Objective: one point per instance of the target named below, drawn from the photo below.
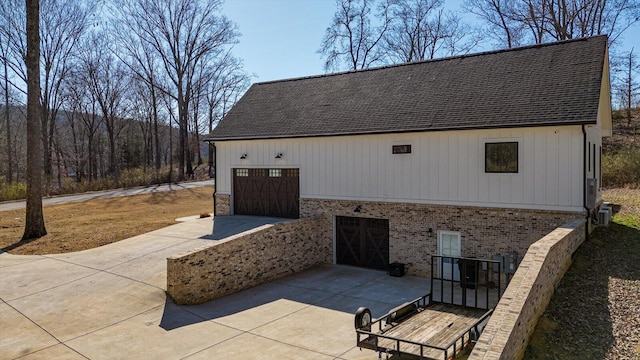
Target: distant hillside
(625, 133)
(621, 152)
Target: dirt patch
(89, 224)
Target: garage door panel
(362, 242)
(267, 192)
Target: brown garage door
(266, 192)
(362, 242)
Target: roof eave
(381, 132)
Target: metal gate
(266, 192)
(362, 242)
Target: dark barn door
(266, 192)
(362, 242)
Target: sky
(280, 38)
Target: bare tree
(62, 25)
(553, 20)
(34, 224)
(183, 33)
(352, 40)
(628, 85)
(107, 82)
(498, 16)
(12, 28)
(229, 82)
(4, 52)
(422, 29)
(141, 59)
(12, 54)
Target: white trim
(456, 274)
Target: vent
(401, 149)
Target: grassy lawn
(89, 224)
(595, 312)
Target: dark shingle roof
(550, 84)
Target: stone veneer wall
(246, 260)
(484, 231)
(222, 204)
(508, 331)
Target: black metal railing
(467, 282)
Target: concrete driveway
(110, 303)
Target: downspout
(215, 177)
(584, 181)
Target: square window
(242, 172)
(501, 157)
(275, 172)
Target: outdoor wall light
(357, 209)
(243, 156)
(430, 232)
(279, 155)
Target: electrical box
(592, 186)
(510, 262)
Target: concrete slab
(120, 252)
(392, 290)
(226, 226)
(88, 305)
(194, 229)
(143, 337)
(261, 348)
(151, 269)
(57, 352)
(313, 328)
(358, 354)
(257, 316)
(10, 260)
(333, 279)
(257, 306)
(20, 280)
(20, 336)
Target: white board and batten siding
(444, 168)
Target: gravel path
(595, 312)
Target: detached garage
(482, 154)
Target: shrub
(13, 191)
(621, 168)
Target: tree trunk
(156, 138)
(629, 89)
(34, 224)
(182, 128)
(6, 114)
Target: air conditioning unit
(604, 217)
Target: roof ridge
(464, 56)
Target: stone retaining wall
(246, 260)
(508, 332)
